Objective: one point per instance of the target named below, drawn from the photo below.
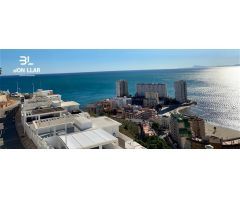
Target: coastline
(221, 132)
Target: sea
(216, 90)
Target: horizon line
(79, 72)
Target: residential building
(41, 92)
(151, 99)
(147, 130)
(137, 100)
(55, 126)
(70, 106)
(179, 128)
(122, 101)
(95, 108)
(162, 120)
(73, 132)
(145, 113)
(180, 91)
(121, 88)
(159, 88)
(197, 126)
(128, 143)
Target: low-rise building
(73, 131)
(70, 106)
(162, 120)
(145, 113)
(147, 130)
(122, 101)
(51, 126)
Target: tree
(153, 142)
(155, 126)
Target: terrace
(75, 131)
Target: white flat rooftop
(88, 139)
(69, 103)
(52, 122)
(104, 122)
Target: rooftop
(103, 122)
(69, 103)
(88, 139)
(46, 110)
(51, 122)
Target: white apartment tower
(121, 88)
(180, 91)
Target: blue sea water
(216, 90)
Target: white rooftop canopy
(88, 139)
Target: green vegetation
(132, 130)
(157, 128)
(153, 142)
(128, 128)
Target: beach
(221, 132)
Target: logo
(27, 67)
(25, 60)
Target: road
(10, 137)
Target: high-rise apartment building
(180, 91)
(159, 88)
(121, 88)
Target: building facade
(179, 128)
(151, 99)
(180, 91)
(122, 101)
(197, 126)
(121, 88)
(159, 88)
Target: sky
(68, 61)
